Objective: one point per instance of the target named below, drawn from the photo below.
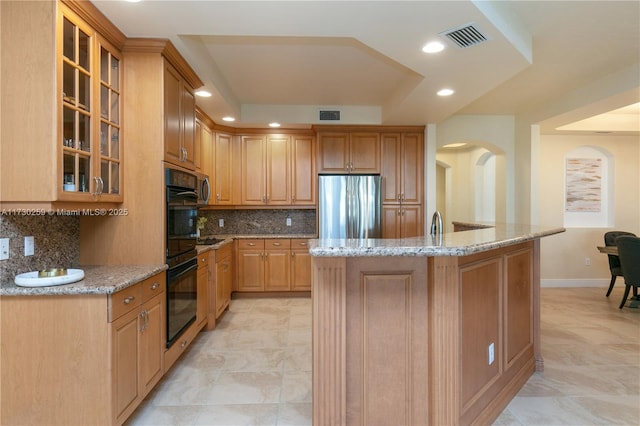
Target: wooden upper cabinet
(303, 170)
(357, 152)
(67, 120)
(402, 167)
(253, 170)
(333, 152)
(278, 170)
(179, 119)
(266, 175)
(222, 174)
(172, 122)
(364, 153)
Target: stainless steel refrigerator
(350, 206)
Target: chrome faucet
(436, 228)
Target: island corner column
(329, 340)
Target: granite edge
(120, 277)
(415, 250)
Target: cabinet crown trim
(169, 51)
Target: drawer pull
(155, 286)
(277, 244)
(303, 244)
(251, 244)
(129, 300)
(183, 344)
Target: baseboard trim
(573, 282)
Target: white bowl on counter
(31, 279)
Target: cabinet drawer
(153, 286)
(124, 301)
(251, 244)
(203, 260)
(277, 244)
(299, 244)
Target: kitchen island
(440, 330)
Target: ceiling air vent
(324, 115)
(465, 36)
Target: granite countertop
(97, 280)
(272, 236)
(448, 244)
(228, 239)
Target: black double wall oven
(182, 217)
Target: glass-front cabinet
(90, 136)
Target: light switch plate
(29, 246)
(4, 248)
(288, 221)
(221, 223)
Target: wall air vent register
(329, 115)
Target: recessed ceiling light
(227, 118)
(433, 47)
(455, 145)
(274, 124)
(203, 93)
(445, 92)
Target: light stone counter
(448, 244)
(97, 280)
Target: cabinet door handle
(101, 185)
(129, 300)
(183, 344)
(293, 255)
(155, 286)
(218, 197)
(96, 179)
(398, 212)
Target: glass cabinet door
(76, 108)
(91, 113)
(110, 168)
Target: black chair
(614, 262)
(629, 254)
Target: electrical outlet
(4, 248)
(29, 246)
(221, 223)
(491, 354)
(288, 221)
(587, 261)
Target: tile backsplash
(56, 241)
(57, 238)
(259, 222)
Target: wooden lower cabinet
(300, 265)
(204, 276)
(85, 359)
(276, 264)
(137, 339)
(223, 278)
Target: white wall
(563, 255)
(493, 133)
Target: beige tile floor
(255, 368)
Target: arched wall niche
(588, 188)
